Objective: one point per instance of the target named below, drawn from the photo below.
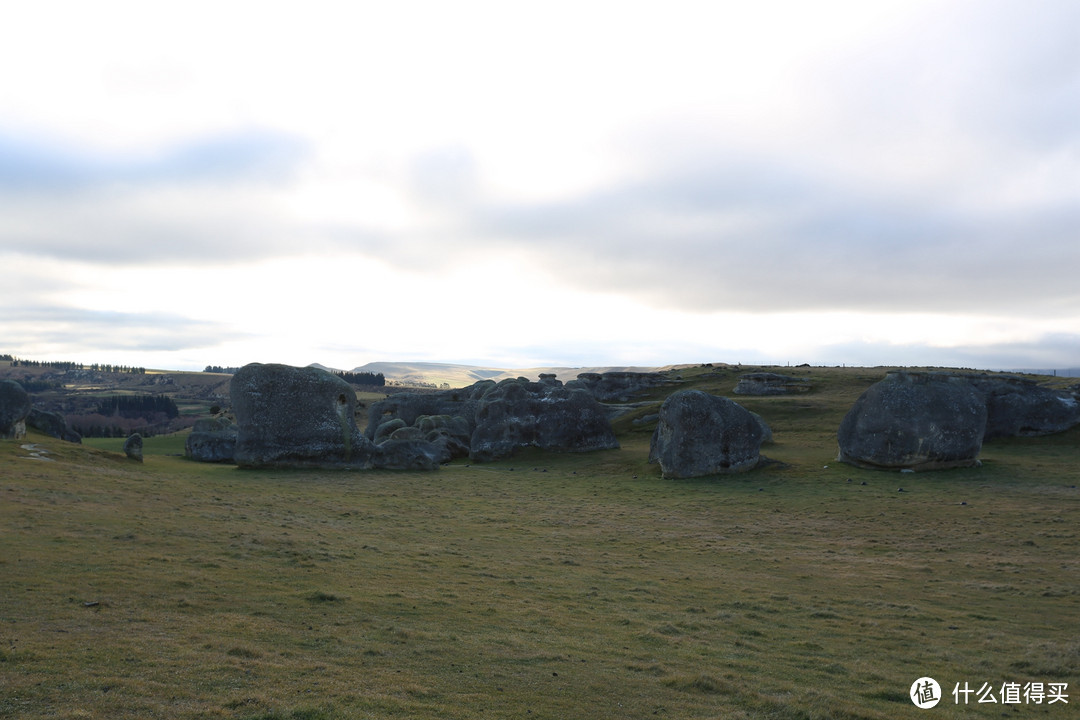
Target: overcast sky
(528, 184)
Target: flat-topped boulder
(915, 421)
(767, 383)
(698, 434)
(296, 417)
(15, 406)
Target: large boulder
(212, 440)
(915, 421)
(52, 423)
(698, 434)
(14, 408)
(518, 413)
(296, 417)
(767, 383)
(1019, 407)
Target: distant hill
(437, 374)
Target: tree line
(362, 378)
(68, 366)
(221, 370)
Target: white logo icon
(925, 693)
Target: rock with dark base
(915, 421)
(698, 435)
(14, 409)
(296, 417)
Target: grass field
(546, 586)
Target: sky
(541, 184)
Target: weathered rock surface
(212, 440)
(409, 407)
(617, 386)
(52, 423)
(1019, 407)
(14, 408)
(133, 447)
(699, 434)
(766, 383)
(518, 413)
(296, 417)
(917, 421)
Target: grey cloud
(747, 236)
(104, 330)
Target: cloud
(33, 165)
(38, 329)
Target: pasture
(544, 586)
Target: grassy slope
(545, 586)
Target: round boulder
(133, 447)
(914, 421)
(698, 434)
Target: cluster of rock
(616, 385)
(488, 420)
(698, 434)
(766, 383)
(305, 417)
(933, 420)
(17, 413)
(212, 440)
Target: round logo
(925, 693)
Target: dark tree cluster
(221, 370)
(141, 406)
(97, 367)
(362, 378)
(54, 364)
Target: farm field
(543, 586)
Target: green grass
(546, 586)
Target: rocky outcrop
(766, 383)
(486, 421)
(1019, 407)
(915, 421)
(52, 423)
(518, 413)
(14, 409)
(212, 440)
(698, 434)
(617, 386)
(133, 447)
(296, 417)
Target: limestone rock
(916, 421)
(766, 383)
(133, 447)
(212, 440)
(52, 423)
(617, 385)
(1019, 407)
(698, 434)
(14, 409)
(518, 413)
(296, 417)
